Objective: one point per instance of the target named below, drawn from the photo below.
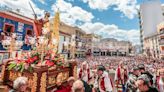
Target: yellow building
(160, 29)
(80, 50)
(92, 43)
(65, 35)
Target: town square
(81, 46)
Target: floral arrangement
(35, 60)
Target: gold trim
(35, 78)
(3, 73)
(14, 74)
(59, 79)
(43, 82)
(51, 80)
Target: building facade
(160, 29)
(65, 36)
(12, 22)
(113, 47)
(80, 48)
(92, 44)
(150, 15)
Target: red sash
(102, 84)
(80, 74)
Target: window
(29, 32)
(8, 28)
(161, 31)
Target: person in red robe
(39, 24)
(84, 72)
(120, 77)
(67, 88)
(103, 82)
(160, 81)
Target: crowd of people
(131, 74)
(112, 74)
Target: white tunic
(161, 85)
(107, 83)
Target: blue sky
(109, 18)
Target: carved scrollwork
(65, 76)
(34, 85)
(43, 82)
(3, 72)
(51, 80)
(59, 79)
(13, 75)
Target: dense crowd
(128, 73)
(129, 62)
(112, 74)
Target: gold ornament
(51, 80)
(3, 72)
(43, 82)
(59, 79)
(14, 74)
(35, 78)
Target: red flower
(34, 58)
(49, 63)
(18, 61)
(30, 60)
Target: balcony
(162, 52)
(162, 31)
(161, 42)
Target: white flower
(13, 35)
(41, 40)
(54, 41)
(32, 40)
(44, 31)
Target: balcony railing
(162, 52)
(161, 42)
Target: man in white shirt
(102, 81)
(160, 81)
(84, 72)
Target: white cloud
(112, 31)
(71, 0)
(71, 14)
(42, 1)
(127, 7)
(99, 4)
(24, 7)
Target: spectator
(78, 86)
(20, 85)
(143, 84)
(160, 81)
(102, 81)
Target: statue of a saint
(42, 23)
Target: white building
(113, 47)
(150, 15)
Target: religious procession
(81, 46)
